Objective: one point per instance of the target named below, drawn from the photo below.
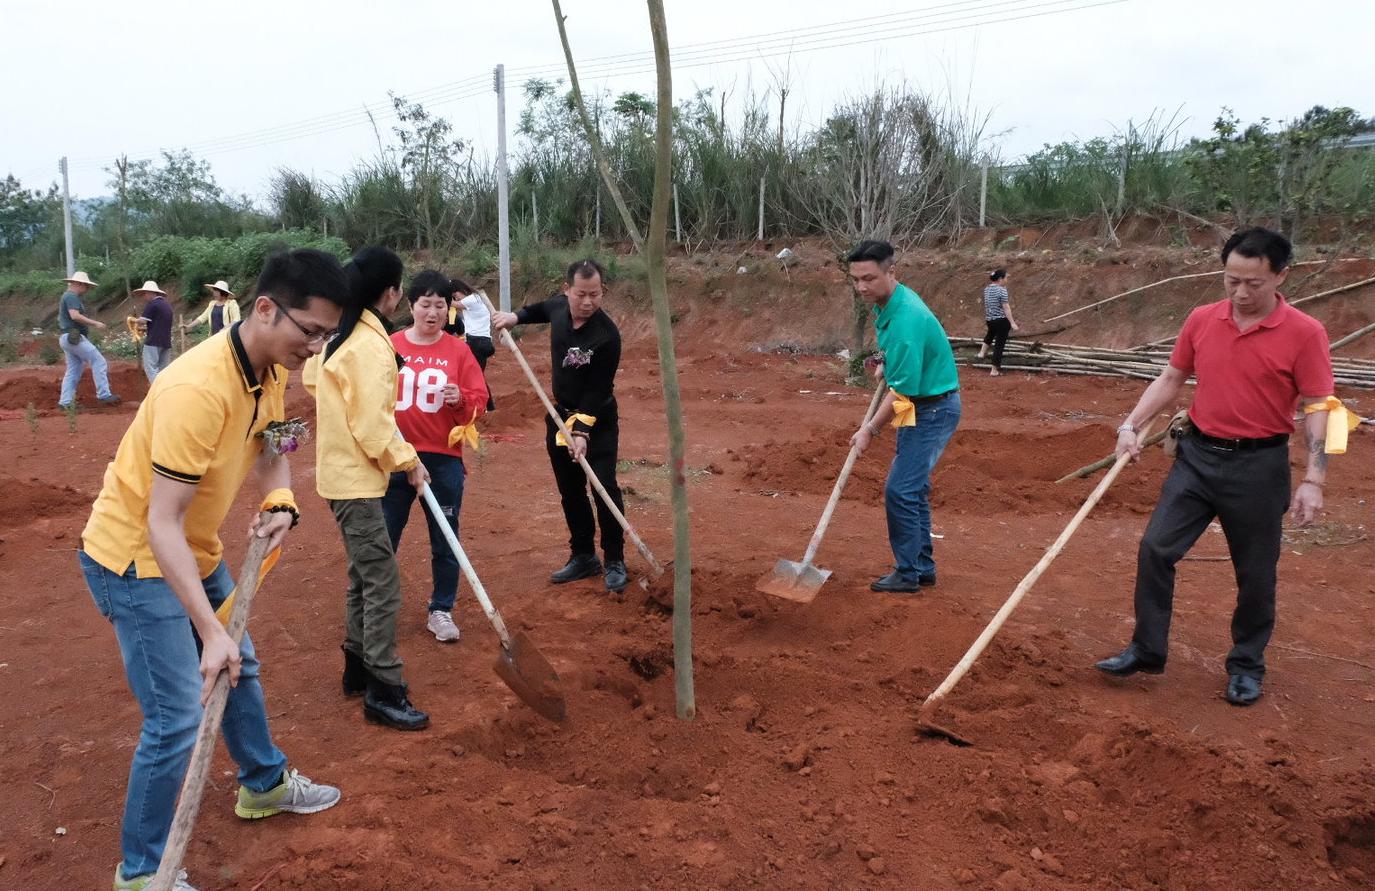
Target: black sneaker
(388, 705)
(897, 583)
(616, 577)
(579, 566)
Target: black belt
(927, 400)
(1240, 445)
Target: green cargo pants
(373, 603)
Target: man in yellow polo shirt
(153, 559)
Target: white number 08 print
(424, 390)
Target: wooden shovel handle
(1028, 580)
(568, 437)
(849, 465)
(188, 805)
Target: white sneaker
(141, 882)
(441, 625)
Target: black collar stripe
(250, 378)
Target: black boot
(579, 566)
(388, 704)
(355, 673)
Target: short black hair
(1257, 242)
(427, 283)
(372, 271)
(880, 252)
(459, 286)
(584, 269)
(997, 275)
(291, 278)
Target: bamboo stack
(1144, 363)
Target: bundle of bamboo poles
(1142, 362)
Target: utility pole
(983, 194)
(503, 195)
(67, 216)
(677, 217)
(762, 181)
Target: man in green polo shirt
(923, 403)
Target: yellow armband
(589, 420)
(904, 412)
(1340, 422)
(279, 498)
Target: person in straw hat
(221, 312)
(73, 323)
(157, 325)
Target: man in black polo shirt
(586, 349)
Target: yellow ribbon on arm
(268, 562)
(1340, 422)
(279, 498)
(568, 422)
(904, 412)
(465, 435)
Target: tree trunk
(593, 139)
(668, 368)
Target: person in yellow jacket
(357, 449)
(221, 312)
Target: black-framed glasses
(311, 336)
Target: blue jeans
(155, 359)
(162, 664)
(79, 355)
(446, 481)
(906, 497)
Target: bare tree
(892, 165)
(668, 369)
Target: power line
(960, 15)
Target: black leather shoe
(355, 674)
(579, 566)
(927, 580)
(896, 583)
(387, 704)
(1243, 689)
(1128, 663)
(616, 577)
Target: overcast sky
(230, 80)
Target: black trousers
(998, 331)
(1248, 492)
(602, 447)
(483, 349)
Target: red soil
(802, 768)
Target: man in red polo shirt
(1255, 358)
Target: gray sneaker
(441, 625)
(138, 883)
(295, 794)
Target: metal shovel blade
(794, 581)
(530, 676)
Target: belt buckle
(1230, 445)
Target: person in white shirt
(477, 326)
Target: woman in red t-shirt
(440, 390)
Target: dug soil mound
(979, 472)
(42, 387)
